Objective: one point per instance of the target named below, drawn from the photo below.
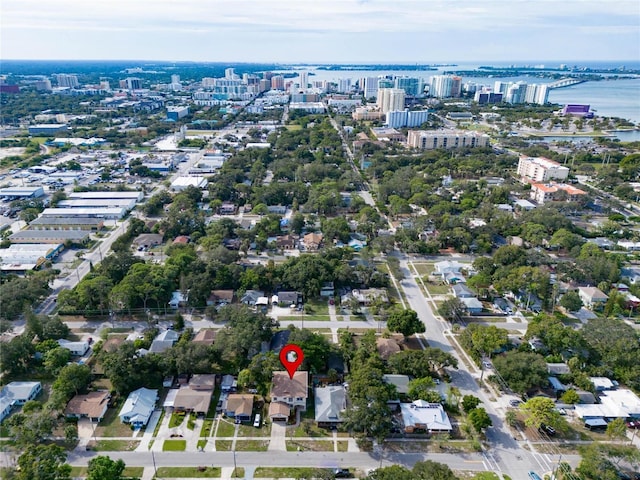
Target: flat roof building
(137, 195)
(430, 140)
(49, 236)
(107, 213)
(47, 129)
(66, 223)
(126, 203)
(181, 183)
(21, 257)
(22, 192)
(540, 169)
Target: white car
(256, 421)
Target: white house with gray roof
(138, 407)
(15, 394)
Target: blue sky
(321, 30)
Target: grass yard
(189, 472)
(135, 472)
(317, 307)
(114, 445)
(111, 426)
(177, 418)
(289, 472)
(424, 268)
(252, 445)
(159, 424)
(174, 446)
(202, 444)
(206, 428)
(310, 445)
(223, 445)
(438, 288)
(225, 429)
(308, 428)
(343, 445)
(293, 127)
(250, 431)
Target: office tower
(277, 82)
(303, 80)
(43, 85)
(65, 80)
(134, 83)
(412, 86)
(390, 99)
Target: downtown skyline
(321, 32)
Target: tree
(601, 461)
(420, 388)
(522, 371)
(481, 340)
(480, 419)
(452, 309)
(430, 470)
(541, 410)
(104, 468)
(405, 322)
(570, 397)
(617, 429)
(469, 402)
(71, 380)
(571, 301)
(56, 359)
(43, 462)
(392, 472)
(31, 429)
(71, 433)
(418, 363)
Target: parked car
(256, 422)
(549, 430)
(534, 476)
(633, 424)
(342, 473)
(515, 403)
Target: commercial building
(176, 113)
(106, 213)
(66, 223)
(406, 118)
(47, 129)
(485, 97)
(50, 236)
(127, 204)
(366, 114)
(181, 183)
(547, 192)
(21, 257)
(311, 107)
(390, 99)
(430, 140)
(17, 193)
(577, 110)
(137, 195)
(540, 169)
(133, 83)
(65, 80)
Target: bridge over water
(565, 82)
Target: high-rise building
(64, 80)
(264, 85)
(344, 85)
(406, 118)
(430, 140)
(277, 82)
(230, 73)
(134, 83)
(412, 86)
(445, 86)
(267, 75)
(385, 82)
(43, 85)
(521, 92)
(541, 169)
(303, 80)
(390, 99)
(104, 85)
(175, 78)
(369, 86)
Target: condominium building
(64, 80)
(430, 140)
(445, 86)
(390, 99)
(541, 192)
(540, 169)
(406, 118)
(133, 83)
(344, 85)
(303, 80)
(277, 82)
(522, 92)
(369, 86)
(412, 86)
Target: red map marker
(291, 357)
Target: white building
(181, 183)
(445, 86)
(390, 99)
(138, 407)
(311, 107)
(406, 118)
(369, 85)
(540, 169)
(422, 415)
(430, 140)
(76, 348)
(17, 393)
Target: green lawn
(225, 429)
(308, 445)
(438, 289)
(252, 445)
(288, 472)
(135, 472)
(223, 445)
(308, 428)
(202, 444)
(206, 428)
(111, 426)
(176, 419)
(174, 446)
(115, 445)
(424, 268)
(251, 431)
(343, 446)
(317, 307)
(486, 476)
(189, 472)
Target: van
(256, 421)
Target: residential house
(603, 383)
(76, 348)
(221, 297)
(453, 278)
(178, 299)
(181, 239)
(250, 297)
(286, 242)
(632, 275)
(328, 289)
(422, 415)
(289, 392)
(17, 393)
(401, 382)
(93, 406)
(330, 404)
(592, 296)
(138, 407)
(148, 240)
(386, 347)
(366, 296)
(460, 290)
(196, 395)
(557, 385)
(205, 336)
(229, 384)
(164, 341)
(279, 340)
(312, 241)
(239, 406)
(450, 266)
(473, 305)
(284, 299)
(558, 368)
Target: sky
(321, 31)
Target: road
(506, 454)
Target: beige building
(542, 193)
(431, 140)
(366, 114)
(390, 99)
(540, 169)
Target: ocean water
(611, 98)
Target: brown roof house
(205, 336)
(221, 297)
(312, 241)
(239, 406)
(286, 242)
(93, 406)
(196, 395)
(287, 394)
(387, 347)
